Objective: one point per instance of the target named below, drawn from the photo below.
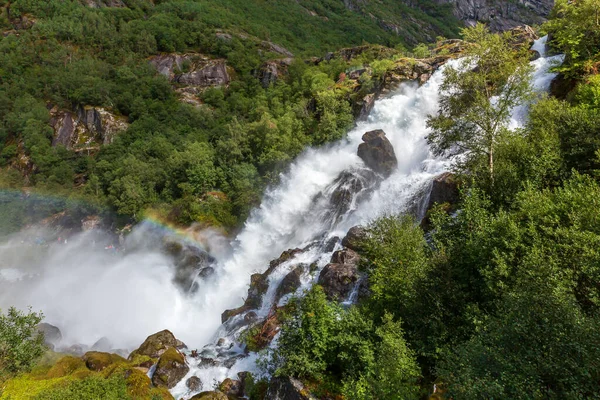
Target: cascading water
(126, 297)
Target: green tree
(21, 344)
(478, 95)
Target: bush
(21, 344)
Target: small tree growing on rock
(478, 96)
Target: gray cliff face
(85, 128)
(501, 15)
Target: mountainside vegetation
(86, 66)
(494, 297)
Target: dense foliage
(208, 163)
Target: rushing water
(90, 293)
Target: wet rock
(290, 283)
(52, 335)
(287, 388)
(103, 344)
(232, 388)
(206, 362)
(97, 361)
(350, 187)
(345, 256)
(191, 262)
(171, 368)
(355, 238)
(206, 272)
(259, 284)
(330, 244)
(444, 189)
(338, 280)
(364, 106)
(250, 317)
(194, 384)
(534, 55)
(523, 35)
(210, 396)
(157, 344)
(378, 153)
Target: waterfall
(127, 297)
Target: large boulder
(338, 280)
(194, 383)
(232, 388)
(157, 344)
(355, 238)
(378, 153)
(97, 361)
(287, 388)
(345, 256)
(171, 368)
(289, 283)
(52, 335)
(444, 189)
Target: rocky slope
(501, 15)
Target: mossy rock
(210, 396)
(97, 361)
(141, 361)
(232, 388)
(139, 385)
(171, 368)
(65, 366)
(155, 345)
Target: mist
(90, 290)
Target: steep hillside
(189, 107)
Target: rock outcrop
(287, 388)
(87, 128)
(52, 335)
(338, 280)
(191, 73)
(355, 238)
(157, 344)
(444, 189)
(191, 263)
(194, 383)
(97, 361)
(232, 388)
(192, 69)
(501, 15)
(378, 153)
(272, 71)
(289, 283)
(171, 368)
